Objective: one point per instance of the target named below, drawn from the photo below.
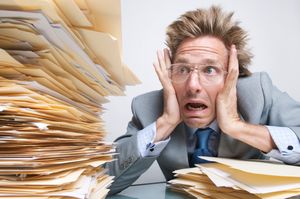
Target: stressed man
(210, 104)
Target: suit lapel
(174, 156)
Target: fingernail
(233, 47)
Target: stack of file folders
(59, 59)
(238, 179)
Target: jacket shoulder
(258, 86)
(254, 96)
(148, 106)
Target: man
(207, 89)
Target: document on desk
(239, 178)
(59, 60)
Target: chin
(196, 122)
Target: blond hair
(211, 22)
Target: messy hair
(211, 22)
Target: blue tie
(202, 149)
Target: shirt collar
(213, 125)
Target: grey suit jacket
(259, 102)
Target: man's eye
(210, 70)
(183, 70)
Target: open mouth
(195, 106)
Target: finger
(233, 68)
(156, 67)
(158, 71)
(156, 64)
(161, 60)
(167, 57)
(233, 71)
(161, 72)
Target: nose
(193, 83)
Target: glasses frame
(194, 66)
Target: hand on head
(171, 114)
(227, 115)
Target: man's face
(197, 100)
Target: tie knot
(206, 130)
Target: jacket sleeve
(282, 111)
(129, 163)
(280, 108)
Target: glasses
(208, 74)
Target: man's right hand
(170, 118)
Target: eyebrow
(204, 61)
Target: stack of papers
(228, 178)
(59, 59)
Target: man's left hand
(226, 104)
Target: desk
(148, 191)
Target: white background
(273, 27)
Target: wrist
(169, 121)
(234, 129)
(254, 135)
(164, 128)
